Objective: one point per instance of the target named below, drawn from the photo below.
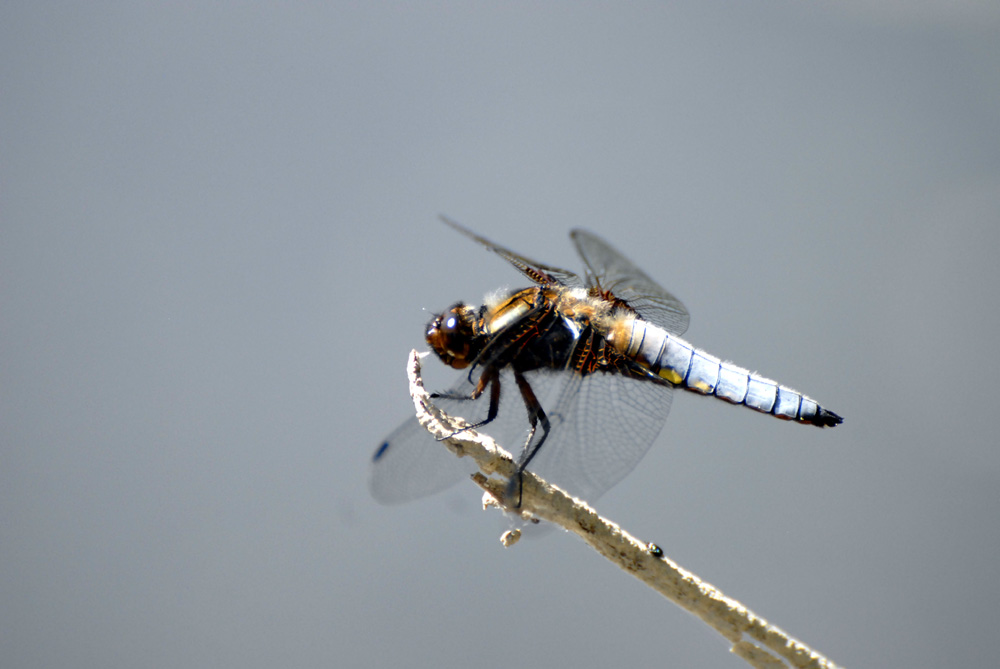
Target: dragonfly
(578, 371)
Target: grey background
(219, 237)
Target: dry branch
(751, 637)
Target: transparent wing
(602, 426)
(616, 273)
(411, 464)
(538, 272)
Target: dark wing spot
(380, 451)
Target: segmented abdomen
(673, 359)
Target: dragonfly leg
(536, 416)
(491, 377)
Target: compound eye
(450, 335)
(454, 335)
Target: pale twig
(751, 637)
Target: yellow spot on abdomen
(670, 375)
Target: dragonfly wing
(601, 427)
(613, 271)
(411, 464)
(538, 272)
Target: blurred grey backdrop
(219, 239)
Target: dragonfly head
(453, 337)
